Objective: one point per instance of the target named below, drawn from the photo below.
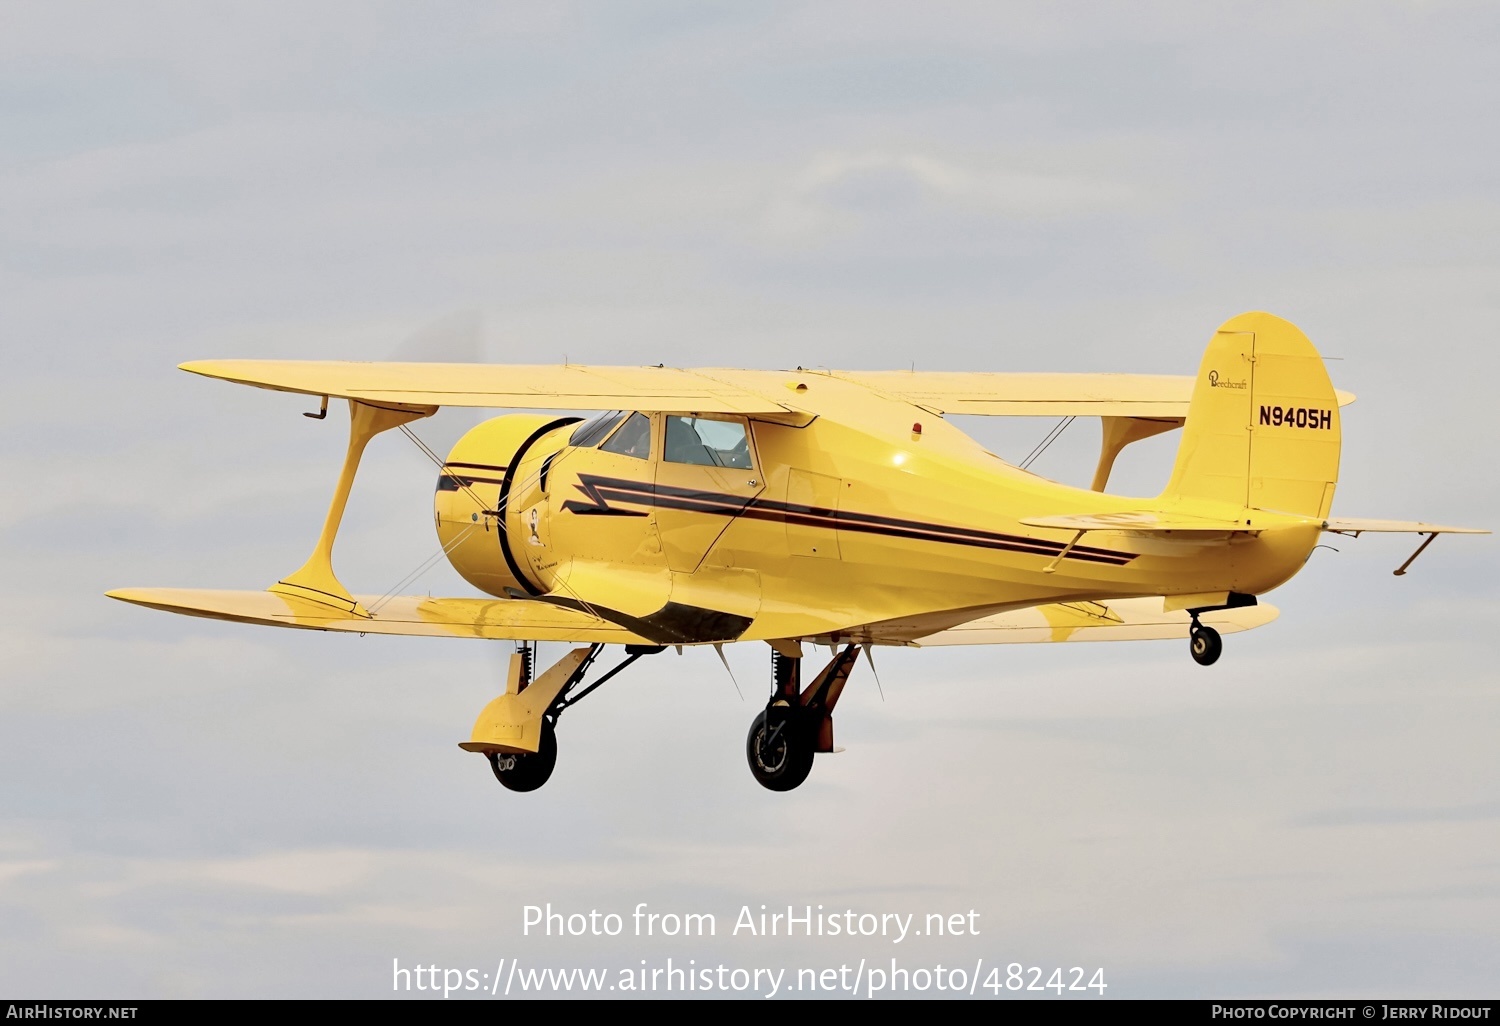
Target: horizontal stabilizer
(1139, 521)
(1356, 525)
(417, 615)
(1137, 619)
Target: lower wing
(1135, 619)
(496, 619)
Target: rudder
(1262, 430)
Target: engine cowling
(484, 468)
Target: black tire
(529, 771)
(779, 748)
(1205, 644)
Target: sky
(199, 809)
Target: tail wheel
(1205, 644)
(527, 771)
(779, 748)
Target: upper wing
(1039, 395)
(503, 619)
(674, 389)
(498, 385)
(1138, 619)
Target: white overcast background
(190, 808)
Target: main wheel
(1205, 645)
(779, 748)
(527, 771)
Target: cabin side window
(707, 443)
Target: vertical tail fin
(1262, 430)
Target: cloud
(838, 191)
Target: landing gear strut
(517, 732)
(1203, 641)
(796, 723)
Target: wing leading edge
(495, 385)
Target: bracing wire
(422, 568)
(435, 458)
(562, 582)
(499, 513)
(499, 516)
(1052, 436)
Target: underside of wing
(417, 385)
(418, 615)
(1137, 619)
(1163, 396)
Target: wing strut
(1120, 432)
(315, 581)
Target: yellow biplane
(702, 507)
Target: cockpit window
(633, 438)
(595, 428)
(708, 443)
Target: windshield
(634, 439)
(595, 428)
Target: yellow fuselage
(868, 512)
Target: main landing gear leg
(796, 723)
(517, 732)
(1203, 641)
